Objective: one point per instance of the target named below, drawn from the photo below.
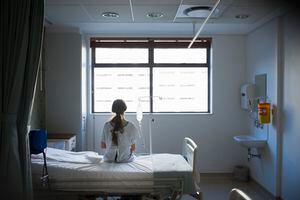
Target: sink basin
(250, 141)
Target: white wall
(63, 81)
(291, 109)
(262, 59)
(212, 132)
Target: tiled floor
(219, 187)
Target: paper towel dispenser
(247, 96)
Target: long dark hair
(118, 107)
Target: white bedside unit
(65, 141)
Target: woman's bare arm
(132, 148)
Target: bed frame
(171, 188)
(190, 153)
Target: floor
(218, 188)
(213, 187)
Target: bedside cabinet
(64, 141)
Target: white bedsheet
(69, 156)
(141, 175)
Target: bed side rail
(189, 151)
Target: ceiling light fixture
(242, 16)
(110, 14)
(155, 15)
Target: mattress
(147, 173)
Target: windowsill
(157, 114)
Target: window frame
(150, 44)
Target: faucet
(257, 124)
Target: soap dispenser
(247, 96)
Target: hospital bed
(157, 175)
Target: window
(134, 69)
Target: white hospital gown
(120, 153)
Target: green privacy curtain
(21, 34)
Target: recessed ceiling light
(110, 14)
(155, 15)
(242, 16)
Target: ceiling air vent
(198, 11)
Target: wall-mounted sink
(250, 141)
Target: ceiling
(133, 20)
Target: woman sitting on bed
(119, 136)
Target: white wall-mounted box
(247, 96)
(64, 141)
